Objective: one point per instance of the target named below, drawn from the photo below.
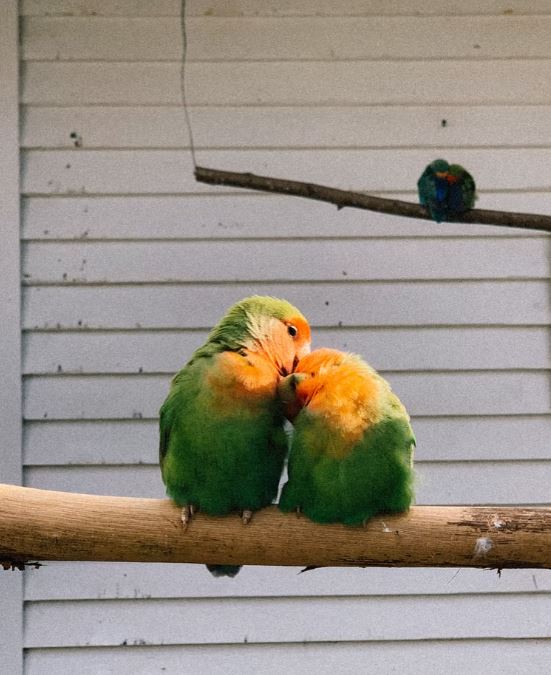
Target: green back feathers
(377, 476)
(467, 184)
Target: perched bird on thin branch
(447, 190)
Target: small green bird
(447, 190)
(222, 438)
(352, 450)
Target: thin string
(183, 80)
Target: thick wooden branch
(46, 525)
(342, 198)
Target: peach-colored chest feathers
(248, 378)
(345, 392)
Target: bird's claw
(246, 516)
(188, 511)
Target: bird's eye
(292, 330)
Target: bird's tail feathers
(223, 570)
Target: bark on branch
(342, 198)
(46, 525)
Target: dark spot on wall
(76, 138)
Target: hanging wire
(183, 80)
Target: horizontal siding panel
(100, 397)
(391, 349)
(337, 304)
(249, 215)
(491, 438)
(103, 442)
(285, 127)
(441, 439)
(508, 482)
(170, 171)
(280, 83)
(271, 620)
(299, 38)
(503, 657)
(356, 260)
(130, 397)
(282, 8)
(96, 581)
(123, 481)
(426, 657)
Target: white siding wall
(127, 262)
(11, 583)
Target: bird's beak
(290, 364)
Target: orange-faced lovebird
(352, 450)
(222, 437)
(447, 190)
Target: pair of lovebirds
(223, 441)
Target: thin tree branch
(342, 198)
(46, 525)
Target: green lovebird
(222, 437)
(351, 455)
(447, 190)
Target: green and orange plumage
(352, 448)
(222, 437)
(447, 190)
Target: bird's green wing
(469, 191)
(165, 425)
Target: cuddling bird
(351, 455)
(222, 438)
(447, 190)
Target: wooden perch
(342, 198)
(46, 525)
